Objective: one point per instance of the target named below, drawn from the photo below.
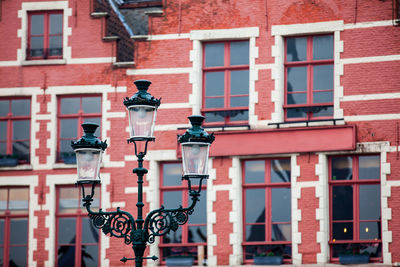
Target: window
(15, 116)
(355, 206)
(267, 208)
(45, 35)
(191, 238)
(72, 112)
(77, 239)
(226, 82)
(309, 69)
(14, 203)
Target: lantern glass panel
(195, 158)
(141, 121)
(88, 161)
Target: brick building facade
(302, 97)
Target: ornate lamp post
(142, 108)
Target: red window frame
(267, 185)
(80, 116)
(310, 107)
(356, 182)
(46, 35)
(79, 214)
(186, 201)
(227, 68)
(7, 216)
(9, 119)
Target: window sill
(22, 167)
(44, 62)
(309, 123)
(217, 128)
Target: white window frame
(280, 32)
(196, 56)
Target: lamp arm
(161, 221)
(117, 223)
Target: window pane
(3, 131)
(296, 49)
(197, 234)
(295, 113)
(215, 83)
(370, 230)
(66, 256)
(323, 112)
(255, 213)
(68, 200)
(21, 150)
(239, 53)
(21, 130)
(297, 79)
(37, 24)
(66, 231)
(89, 233)
(173, 237)
(199, 215)
(171, 199)
(373, 249)
(3, 199)
(322, 97)
(323, 47)
(280, 171)
(70, 105)
(98, 122)
(255, 232)
(19, 199)
(369, 167)
(21, 107)
(297, 98)
(239, 82)
(37, 47)
(342, 202)
(90, 256)
(172, 174)
(240, 115)
(342, 231)
(66, 149)
(214, 54)
(214, 117)
(1, 231)
(3, 148)
(91, 104)
(342, 168)
(323, 77)
(4, 108)
(370, 202)
(18, 256)
(56, 23)
(281, 232)
(55, 45)
(217, 102)
(255, 250)
(254, 171)
(69, 128)
(280, 205)
(18, 231)
(240, 101)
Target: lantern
(89, 150)
(142, 110)
(195, 145)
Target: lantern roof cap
(142, 97)
(196, 133)
(89, 140)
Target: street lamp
(195, 143)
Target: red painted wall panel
(283, 141)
